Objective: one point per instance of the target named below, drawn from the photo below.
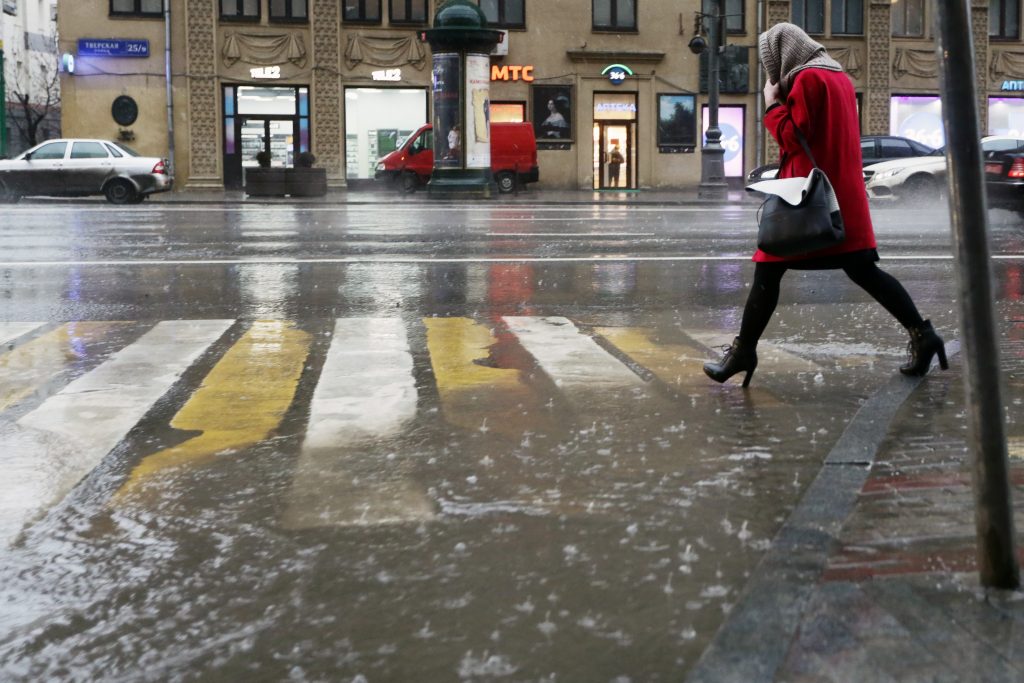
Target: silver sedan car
(76, 168)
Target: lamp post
(712, 154)
(3, 103)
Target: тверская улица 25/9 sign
(112, 47)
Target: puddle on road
(606, 536)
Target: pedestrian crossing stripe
(366, 392)
(239, 403)
(27, 368)
(11, 331)
(49, 450)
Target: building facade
(348, 79)
(31, 92)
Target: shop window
(365, 11)
(136, 8)
(809, 15)
(242, 10)
(1004, 19)
(735, 17)
(908, 18)
(289, 10)
(504, 13)
(508, 112)
(847, 17)
(408, 11)
(614, 15)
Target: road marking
(28, 367)
(239, 403)
(391, 260)
(11, 331)
(572, 359)
(366, 395)
(48, 451)
(476, 392)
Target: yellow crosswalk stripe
(474, 394)
(240, 402)
(681, 366)
(25, 369)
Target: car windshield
(127, 150)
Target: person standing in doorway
(808, 90)
(615, 160)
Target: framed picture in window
(677, 122)
(552, 113)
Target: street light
(712, 158)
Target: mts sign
(508, 72)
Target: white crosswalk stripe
(572, 360)
(52, 448)
(366, 393)
(11, 331)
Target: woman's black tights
(764, 296)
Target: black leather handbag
(799, 215)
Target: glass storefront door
(376, 120)
(615, 164)
(263, 119)
(276, 136)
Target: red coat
(823, 104)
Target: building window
(735, 17)
(408, 11)
(1004, 19)
(847, 17)
(240, 9)
(809, 15)
(367, 11)
(289, 10)
(11, 7)
(504, 13)
(136, 8)
(508, 112)
(908, 18)
(614, 15)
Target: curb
(743, 650)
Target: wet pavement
(396, 442)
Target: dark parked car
(873, 148)
(77, 168)
(1004, 182)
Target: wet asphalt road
(411, 442)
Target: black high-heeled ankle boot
(739, 357)
(924, 344)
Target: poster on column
(447, 126)
(478, 111)
(730, 122)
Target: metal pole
(993, 514)
(3, 103)
(712, 171)
(170, 89)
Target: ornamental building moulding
(386, 51)
(1006, 64)
(917, 63)
(263, 49)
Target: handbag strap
(803, 143)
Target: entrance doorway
(276, 136)
(615, 141)
(613, 146)
(263, 119)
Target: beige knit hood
(786, 50)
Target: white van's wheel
(506, 182)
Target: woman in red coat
(808, 90)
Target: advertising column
(478, 111)
(447, 79)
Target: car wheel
(120, 191)
(506, 182)
(922, 189)
(7, 195)
(410, 182)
